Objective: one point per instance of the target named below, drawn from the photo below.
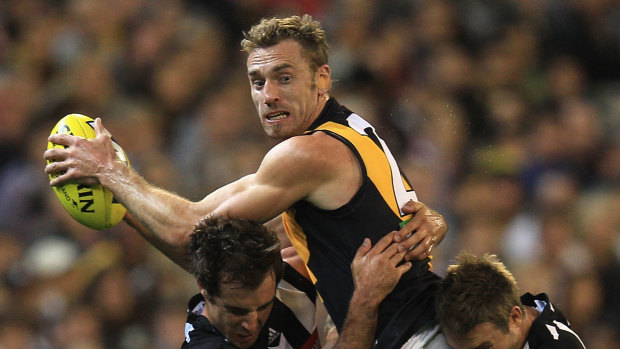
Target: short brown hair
(477, 289)
(305, 30)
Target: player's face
(284, 88)
(488, 336)
(240, 314)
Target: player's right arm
(293, 170)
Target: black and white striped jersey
(550, 330)
(291, 324)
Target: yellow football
(92, 205)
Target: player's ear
(206, 296)
(516, 311)
(203, 292)
(516, 315)
(324, 79)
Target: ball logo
(68, 197)
(86, 198)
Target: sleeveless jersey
(327, 240)
(290, 325)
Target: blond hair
(302, 29)
(477, 289)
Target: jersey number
(402, 194)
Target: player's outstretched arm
(292, 170)
(376, 272)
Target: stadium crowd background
(505, 115)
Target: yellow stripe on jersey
(297, 237)
(376, 162)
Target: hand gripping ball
(92, 205)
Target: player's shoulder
(550, 329)
(317, 150)
(554, 335)
(313, 142)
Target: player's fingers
(67, 174)
(58, 179)
(412, 206)
(409, 228)
(403, 268)
(422, 250)
(405, 227)
(54, 167)
(61, 139)
(383, 243)
(413, 240)
(396, 256)
(390, 250)
(363, 249)
(54, 154)
(412, 225)
(99, 129)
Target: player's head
(288, 73)
(478, 305)
(237, 264)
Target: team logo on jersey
(274, 338)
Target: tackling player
(478, 306)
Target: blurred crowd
(504, 114)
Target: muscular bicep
(285, 176)
(315, 168)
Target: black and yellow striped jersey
(327, 240)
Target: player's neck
(530, 314)
(320, 106)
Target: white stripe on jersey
(299, 303)
(563, 327)
(402, 195)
